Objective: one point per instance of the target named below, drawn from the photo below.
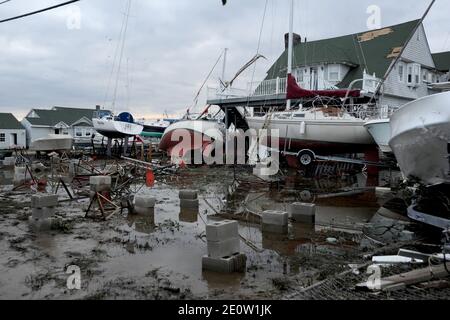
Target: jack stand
(25, 184)
(102, 201)
(61, 182)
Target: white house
(75, 122)
(342, 61)
(12, 133)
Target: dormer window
(410, 75)
(333, 72)
(401, 72)
(414, 74)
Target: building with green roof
(12, 133)
(442, 61)
(76, 122)
(399, 53)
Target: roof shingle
(370, 51)
(8, 121)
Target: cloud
(170, 48)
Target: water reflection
(189, 215)
(142, 223)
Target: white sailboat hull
(380, 130)
(421, 139)
(326, 136)
(116, 129)
(52, 142)
(200, 133)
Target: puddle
(159, 255)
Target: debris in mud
(62, 226)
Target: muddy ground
(160, 256)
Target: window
(401, 73)
(299, 115)
(78, 132)
(2, 137)
(333, 73)
(410, 74)
(300, 77)
(417, 74)
(424, 75)
(88, 133)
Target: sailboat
(106, 122)
(116, 127)
(421, 139)
(322, 123)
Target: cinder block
(188, 194)
(303, 212)
(9, 161)
(273, 217)
(235, 263)
(40, 224)
(222, 230)
(100, 187)
(189, 215)
(273, 228)
(43, 213)
(224, 248)
(188, 203)
(100, 180)
(144, 202)
(44, 201)
(144, 211)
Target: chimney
(97, 107)
(297, 40)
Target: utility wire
(5, 1)
(38, 11)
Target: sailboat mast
(290, 46)
(224, 68)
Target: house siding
(34, 133)
(9, 141)
(418, 49)
(397, 90)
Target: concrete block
(222, 230)
(21, 175)
(303, 212)
(235, 263)
(189, 215)
(100, 187)
(44, 201)
(273, 228)
(188, 203)
(144, 201)
(9, 161)
(224, 248)
(40, 224)
(273, 217)
(43, 213)
(144, 211)
(188, 194)
(100, 180)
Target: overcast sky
(171, 46)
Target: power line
(39, 11)
(5, 1)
